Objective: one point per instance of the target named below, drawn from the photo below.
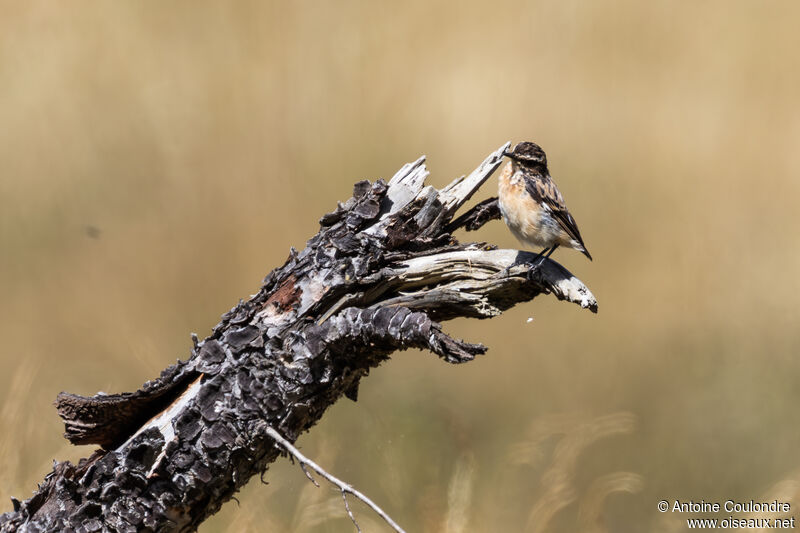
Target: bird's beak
(508, 154)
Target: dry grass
(459, 495)
(157, 160)
(574, 434)
(18, 428)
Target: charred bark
(382, 270)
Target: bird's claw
(533, 271)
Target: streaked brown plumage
(531, 204)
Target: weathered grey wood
(460, 190)
(478, 282)
(375, 278)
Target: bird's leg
(538, 261)
(540, 254)
(504, 273)
(553, 249)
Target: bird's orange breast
(528, 221)
(519, 210)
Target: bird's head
(528, 154)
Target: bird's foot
(536, 265)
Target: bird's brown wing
(543, 190)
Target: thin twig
(344, 487)
(349, 512)
(308, 474)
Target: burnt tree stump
(380, 275)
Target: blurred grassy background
(157, 160)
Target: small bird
(532, 206)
